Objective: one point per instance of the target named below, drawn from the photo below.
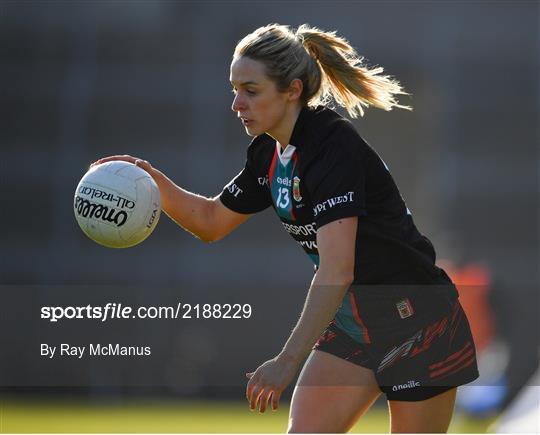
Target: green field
(166, 416)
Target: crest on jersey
(296, 189)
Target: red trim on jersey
(272, 169)
(291, 212)
(358, 319)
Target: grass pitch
(170, 416)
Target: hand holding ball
(117, 204)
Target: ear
(295, 90)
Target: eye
(250, 92)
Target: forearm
(189, 210)
(324, 298)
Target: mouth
(245, 121)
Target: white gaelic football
(117, 204)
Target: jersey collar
(285, 155)
(299, 127)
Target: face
(257, 101)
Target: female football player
(379, 316)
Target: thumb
(142, 164)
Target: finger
(263, 402)
(97, 162)
(252, 383)
(255, 396)
(254, 391)
(249, 388)
(143, 164)
(123, 157)
(276, 395)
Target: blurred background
(83, 80)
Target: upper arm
(224, 220)
(336, 181)
(244, 195)
(336, 242)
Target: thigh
(425, 416)
(331, 394)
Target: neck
(283, 133)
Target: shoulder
(261, 147)
(322, 121)
(259, 154)
(332, 134)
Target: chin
(252, 132)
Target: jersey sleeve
(336, 180)
(246, 193)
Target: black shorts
(428, 362)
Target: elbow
(342, 282)
(205, 239)
(340, 278)
(208, 233)
(210, 237)
(345, 280)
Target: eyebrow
(246, 83)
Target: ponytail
(346, 80)
(329, 68)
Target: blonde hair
(329, 68)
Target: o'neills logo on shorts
(410, 384)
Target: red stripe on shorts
(461, 367)
(465, 357)
(358, 319)
(451, 357)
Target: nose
(238, 103)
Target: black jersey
(328, 172)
